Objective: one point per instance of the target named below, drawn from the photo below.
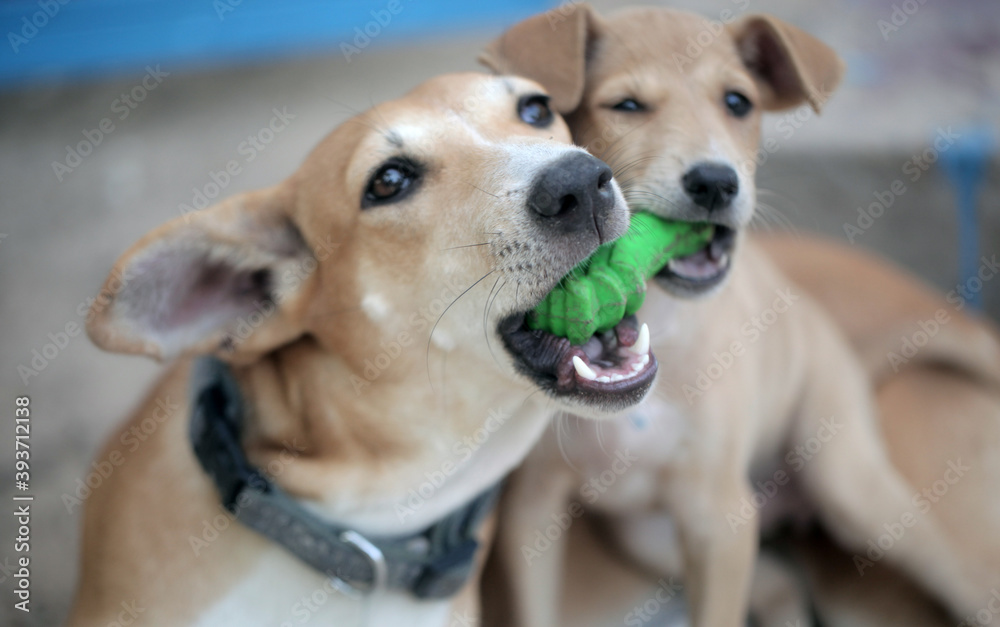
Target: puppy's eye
(534, 110)
(390, 183)
(738, 104)
(629, 105)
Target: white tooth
(583, 369)
(645, 359)
(616, 377)
(604, 379)
(637, 366)
(641, 346)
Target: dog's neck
(391, 457)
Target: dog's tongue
(701, 265)
(705, 263)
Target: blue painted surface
(965, 164)
(84, 39)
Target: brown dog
(382, 383)
(937, 374)
(762, 401)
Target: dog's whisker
(638, 194)
(486, 317)
(438, 321)
(353, 111)
(466, 246)
(562, 435)
(636, 161)
(769, 215)
(482, 190)
(386, 132)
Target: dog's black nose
(573, 193)
(711, 185)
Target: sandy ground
(59, 238)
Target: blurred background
(116, 115)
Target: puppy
(762, 406)
(367, 390)
(938, 399)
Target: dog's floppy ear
(207, 282)
(550, 49)
(791, 66)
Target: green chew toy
(611, 284)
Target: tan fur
(943, 404)
(342, 282)
(877, 304)
(697, 460)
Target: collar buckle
(376, 559)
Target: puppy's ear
(208, 282)
(550, 49)
(791, 66)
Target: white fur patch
(375, 307)
(282, 592)
(443, 340)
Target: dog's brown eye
(738, 104)
(535, 110)
(630, 105)
(390, 182)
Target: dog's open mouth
(614, 367)
(704, 269)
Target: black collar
(434, 563)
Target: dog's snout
(574, 192)
(712, 186)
